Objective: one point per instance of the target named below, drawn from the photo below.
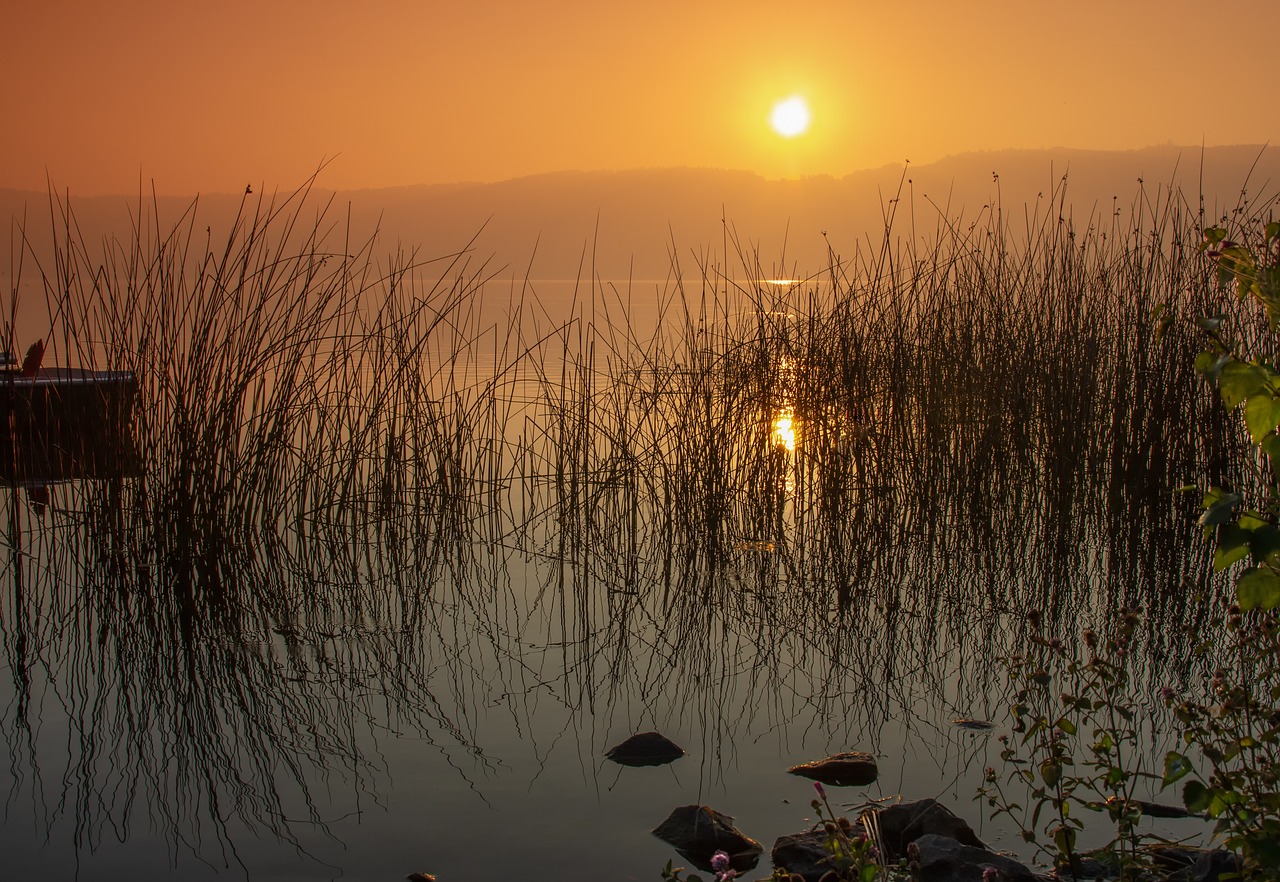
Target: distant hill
(638, 222)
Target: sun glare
(790, 117)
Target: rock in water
(805, 854)
(900, 825)
(941, 859)
(645, 749)
(840, 770)
(698, 832)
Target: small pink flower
(990, 874)
(817, 785)
(720, 861)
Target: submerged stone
(697, 832)
(850, 769)
(645, 749)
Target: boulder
(849, 769)
(697, 832)
(900, 825)
(1088, 869)
(645, 749)
(1209, 866)
(804, 854)
(936, 858)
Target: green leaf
(1218, 507)
(1066, 726)
(1051, 773)
(1233, 545)
(1258, 588)
(1252, 521)
(1196, 797)
(1271, 446)
(1261, 414)
(1210, 364)
(1239, 380)
(1176, 767)
(1065, 839)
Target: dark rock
(1169, 858)
(803, 854)
(698, 832)
(973, 725)
(840, 770)
(1153, 809)
(1210, 866)
(645, 749)
(900, 825)
(1088, 869)
(1171, 863)
(420, 877)
(936, 858)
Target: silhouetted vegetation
(821, 502)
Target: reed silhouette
(816, 506)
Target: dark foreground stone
(1210, 866)
(645, 749)
(900, 825)
(697, 832)
(850, 769)
(934, 858)
(1171, 863)
(805, 854)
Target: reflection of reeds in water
(315, 474)
(359, 502)
(985, 423)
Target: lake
(404, 560)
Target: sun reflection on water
(784, 430)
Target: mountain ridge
(643, 222)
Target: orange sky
(208, 97)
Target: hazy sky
(205, 97)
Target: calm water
(334, 697)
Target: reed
(354, 485)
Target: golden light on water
(784, 431)
(790, 117)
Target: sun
(790, 117)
